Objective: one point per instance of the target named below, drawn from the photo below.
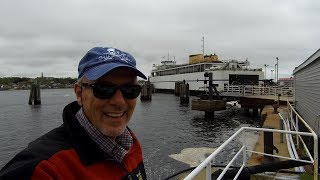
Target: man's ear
(78, 91)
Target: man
(94, 141)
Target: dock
(272, 143)
(272, 121)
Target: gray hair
(82, 80)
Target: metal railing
(294, 118)
(259, 90)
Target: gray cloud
(51, 36)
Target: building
(286, 82)
(307, 90)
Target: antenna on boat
(202, 46)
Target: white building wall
(307, 91)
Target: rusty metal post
(268, 143)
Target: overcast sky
(51, 36)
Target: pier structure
(252, 98)
(211, 103)
(146, 91)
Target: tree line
(42, 80)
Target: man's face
(109, 116)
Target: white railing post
(315, 157)
(297, 129)
(291, 114)
(244, 160)
(208, 171)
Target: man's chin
(113, 133)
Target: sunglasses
(104, 91)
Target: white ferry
(227, 72)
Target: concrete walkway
(272, 121)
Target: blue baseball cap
(99, 61)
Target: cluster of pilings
(146, 91)
(182, 89)
(35, 98)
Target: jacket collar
(88, 150)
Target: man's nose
(117, 98)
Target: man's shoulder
(51, 142)
(40, 149)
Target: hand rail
(259, 90)
(313, 160)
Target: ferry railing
(206, 164)
(247, 90)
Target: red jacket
(67, 152)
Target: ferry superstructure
(227, 72)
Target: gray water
(163, 126)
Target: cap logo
(113, 54)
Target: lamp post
(275, 73)
(265, 71)
(271, 73)
(277, 70)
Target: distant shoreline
(30, 89)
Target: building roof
(286, 79)
(312, 58)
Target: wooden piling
(184, 93)
(177, 88)
(146, 91)
(35, 97)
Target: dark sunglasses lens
(131, 92)
(103, 91)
